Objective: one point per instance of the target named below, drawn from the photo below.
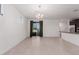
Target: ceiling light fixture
(39, 15)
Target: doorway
(36, 28)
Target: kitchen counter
(70, 37)
(70, 32)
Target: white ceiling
(51, 11)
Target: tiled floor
(44, 46)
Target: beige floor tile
(44, 46)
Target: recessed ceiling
(50, 11)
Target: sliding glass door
(36, 28)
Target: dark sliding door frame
(41, 28)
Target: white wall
(13, 28)
(51, 27)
